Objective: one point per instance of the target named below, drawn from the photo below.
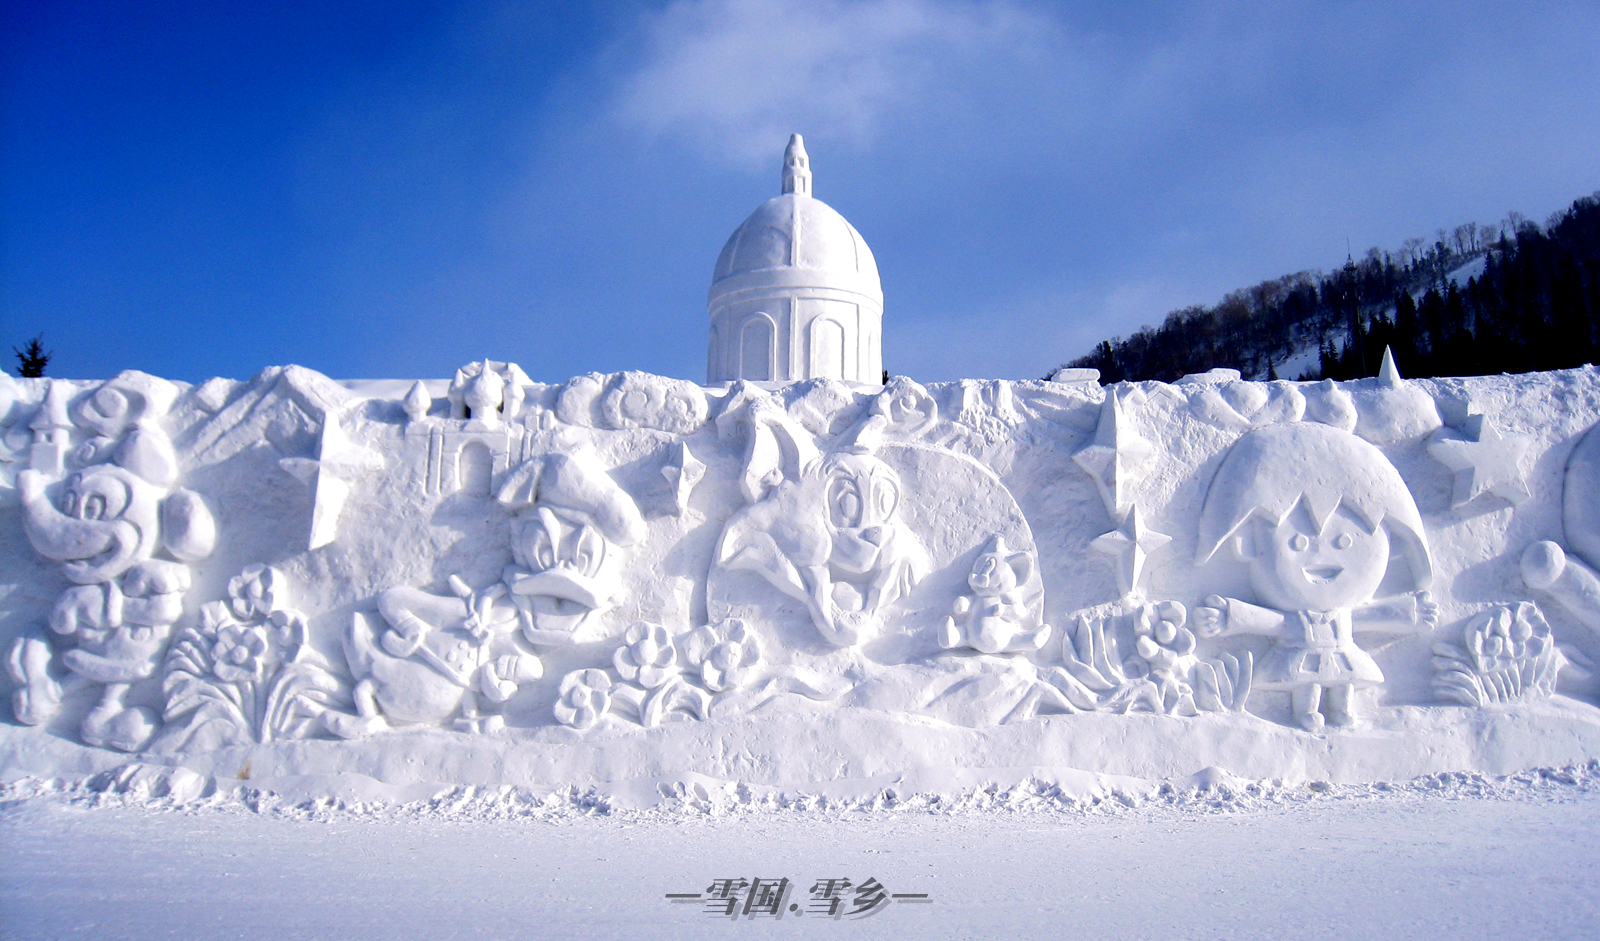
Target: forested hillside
(1512, 296)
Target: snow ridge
(1211, 791)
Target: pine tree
(32, 358)
(1535, 305)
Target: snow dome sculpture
(795, 294)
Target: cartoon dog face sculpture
(829, 535)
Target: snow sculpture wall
(490, 580)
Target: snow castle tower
(795, 294)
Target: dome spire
(796, 167)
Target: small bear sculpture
(994, 618)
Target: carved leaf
(1088, 677)
(1244, 669)
(744, 700)
(187, 656)
(631, 698)
(192, 695)
(1092, 657)
(810, 683)
(1039, 696)
(300, 692)
(1208, 695)
(674, 694)
(1075, 691)
(1459, 686)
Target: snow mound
(1211, 791)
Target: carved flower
(214, 616)
(1162, 640)
(585, 696)
(255, 592)
(647, 655)
(727, 654)
(907, 405)
(239, 653)
(1506, 636)
(288, 629)
(1510, 656)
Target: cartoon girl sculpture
(1320, 516)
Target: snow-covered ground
(1307, 356)
(1301, 361)
(1448, 856)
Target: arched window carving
(474, 469)
(828, 349)
(758, 348)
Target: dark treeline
(1533, 305)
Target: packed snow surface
(1457, 856)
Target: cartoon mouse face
(992, 574)
(1297, 568)
(108, 520)
(862, 494)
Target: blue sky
(391, 189)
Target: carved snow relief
(1163, 674)
(1506, 655)
(632, 400)
(1000, 614)
(727, 654)
(1130, 544)
(823, 528)
(571, 523)
(683, 471)
(651, 667)
(1571, 579)
(244, 672)
(618, 560)
(585, 698)
(796, 574)
(100, 496)
(339, 461)
(1484, 461)
(1117, 455)
(1315, 512)
(1393, 409)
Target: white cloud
(737, 76)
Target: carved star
(1115, 456)
(339, 460)
(683, 470)
(1131, 543)
(1484, 460)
